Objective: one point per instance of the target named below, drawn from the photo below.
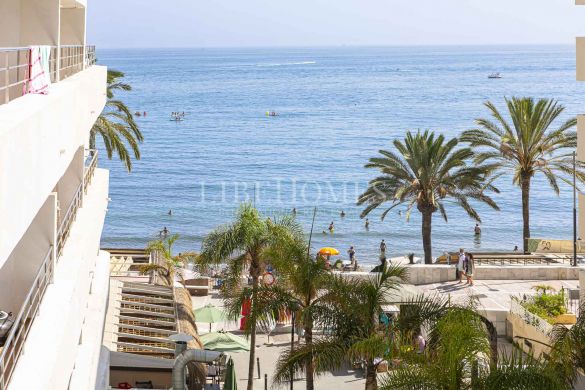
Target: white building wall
(63, 346)
(39, 136)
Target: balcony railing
(14, 344)
(64, 61)
(16, 338)
(69, 216)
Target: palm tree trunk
(525, 187)
(371, 376)
(310, 364)
(252, 335)
(427, 216)
(92, 139)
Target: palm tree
(116, 124)
(527, 145)
(248, 242)
(170, 266)
(351, 315)
(458, 357)
(567, 355)
(427, 172)
(304, 287)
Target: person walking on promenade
(469, 268)
(460, 264)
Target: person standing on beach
(460, 264)
(382, 249)
(331, 227)
(351, 253)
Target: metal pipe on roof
(188, 356)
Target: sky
(274, 23)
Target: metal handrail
(67, 221)
(90, 169)
(65, 61)
(71, 213)
(21, 327)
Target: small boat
(495, 76)
(271, 113)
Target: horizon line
(341, 46)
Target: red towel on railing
(38, 69)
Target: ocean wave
(287, 63)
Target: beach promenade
(492, 297)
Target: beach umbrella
(224, 342)
(230, 376)
(327, 251)
(210, 314)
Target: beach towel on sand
(40, 77)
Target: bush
(546, 306)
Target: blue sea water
(337, 107)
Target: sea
(337, 107)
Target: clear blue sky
(235, 23)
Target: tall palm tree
(351, 317)
(248, 242)
(299, 289)
(171, 266)
(116, 124)
(427, 172)
(527, 145)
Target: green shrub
(546, 306)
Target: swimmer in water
(477, 229)
(367, 224)
(331, 227)
(342, 214)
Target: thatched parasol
(186, 324)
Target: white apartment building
(53, 201)
(581, 122)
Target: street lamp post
(574, 211)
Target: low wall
(434, 273)
(528, 337)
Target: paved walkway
(493, 294)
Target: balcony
(12, 348)
(64, 62)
